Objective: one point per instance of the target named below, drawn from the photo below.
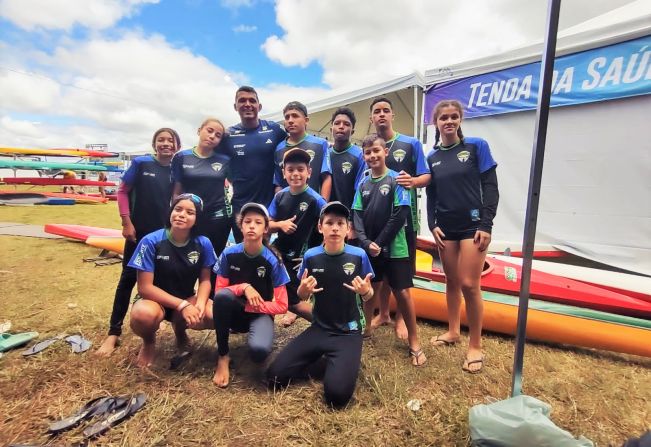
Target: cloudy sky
(74, 72)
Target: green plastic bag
(518, 421)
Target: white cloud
(64, 14)
(244, 28)
(358, 43)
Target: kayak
(633, 285)
(547, 322)
(114, 244)
(78, 198)
(502, 247)
(80, 232)
(22, 198)
(57, 152)
(21, 164)
(52, 181)
(500, 276)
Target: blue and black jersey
(149, 195)
(320, 161)
(348, 168)
(204, 177)
(337, 309)
(406, 154)
(252, 161)
(306, 206)
(175, 268)
(462, 194)
(381, 210)
(263, 271)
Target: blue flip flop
(41, 346)
(10, 341)
(78, 343)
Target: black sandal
(130, 407)
(96, 407)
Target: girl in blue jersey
(250, 290)
(202, 171)
(169, 263)
(462, 201)
(143, 201)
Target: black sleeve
(358, 225)
(490, 198)
(430, 191)
(396, 222)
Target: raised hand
(308, 286)
(360, 286)
(288, 226)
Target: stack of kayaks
(56, 152)
(548, 321)
(29, 198)
(76, 198)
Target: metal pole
(533, 197)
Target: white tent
(595, 200)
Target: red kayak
(504, 277)
(80, 232)
(52, 181)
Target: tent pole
(415, 111)
(423, 123)
(533, 196)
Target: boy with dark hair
(381, 209)
(338, 278)
(346, 158)
(296, 120)
(251, 145)
(294, 213)
(407, 159)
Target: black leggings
(128, 279)
(343, 353)
(228, 313)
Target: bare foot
(474, 361)
(417, 356)
(381, 320)
(401, 329)
(447, 339)
(222, 374)
(146, 355)
(108, 346)
(288, 319)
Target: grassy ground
(48, 288)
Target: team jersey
(149, 195)
(263, 271)
(348, 169)
(320, 161)
(376, 199)
(336, 308)
(204, 177)
(456, 184)
(306, 206)
(252, 161)
(406, 154)
(175, 268)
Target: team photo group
(324, 231)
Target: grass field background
(46, 287)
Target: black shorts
(411, 249)
(396, 270)
(459, 235)
(292, 285)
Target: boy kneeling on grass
(381, 208)
(338, 278)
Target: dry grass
(603, 396)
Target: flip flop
(128, 409)
(467, 363)
(416, 355)
(78, 343)
(11, 341)
(438, 341)
(178, 360)
(95, 407)
(41, 346)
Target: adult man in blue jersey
(251, 145)
(407, 158)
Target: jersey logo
(365, 193)
(237, 146)
(399, 155)
(312, 154)
(318, 270)
(240, 152)
(233, 267)
(216, 166)
(261, 272)
(474, 215)
(149, 174)
(193, 257)
(352, 325)
(163, 257)
(349, 268)
(268, 141)
(435, 164)
(264, 127)
(405, 194)
(291, 253)
(346, 167)
(463, 156)
(141, 253)
(384, 189)
(188, 166)
(302, 206)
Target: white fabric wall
(596, 190)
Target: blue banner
(601, 74)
